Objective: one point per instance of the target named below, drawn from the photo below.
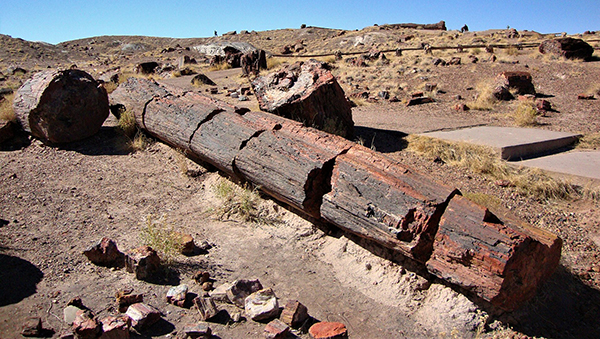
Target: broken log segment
(61, 106)
(501, 260)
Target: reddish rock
(201, 276)
(202, 79)
(188, 247)
(240, 289)
(142, 315)
(512, 33)
(105, 253)
(417, 94)
(143, 261)
(206, 307)
(309, 93)
(502, 93)
(294, 313)
(276, 329)
(360, 61)
(32, 327)
(543, 105)
(115, 327)
(61, 106)
(521, 82)
(85, 325)
(328, 330)
(569, 48)
(526, 97)
(473, 59)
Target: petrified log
(61, 106)
(327, 177)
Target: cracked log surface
(498, 258)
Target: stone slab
(513, 143)
(582, 164)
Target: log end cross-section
(501, 261)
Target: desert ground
(58, 201)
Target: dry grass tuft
(161, 237)
(127, 124)
(240, 201)
(485, 100)
(525, 114)
(483, 160)
(6, 109)
(219, 67)
(590, 141)
(489, 201)
(140, 142)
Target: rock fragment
(143, 261)
(328, 330)
(206, 307)
(142, 315)
(177, 295)
(276, 329)
(294, 313)
(126, 298)
(262, 305)
(32, 327)
(115, 327)
(240, 289)
(105, 253)
(85, 325)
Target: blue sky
(61, 20)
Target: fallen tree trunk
(61, 106)
(501, 260)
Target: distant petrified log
(331, 179)
(569, 48)
(521, 82)
(252, 62)
(61, 106)
(439, 26)
(309, 93)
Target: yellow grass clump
(6, 109)
(525, 114)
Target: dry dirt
(57, 201)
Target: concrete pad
(513, 143)
(580, 164)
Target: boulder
(309, 93)
(105, 253)
(126, 298)
(206, 307)
(85, 325)
(61, 106)
(146, 67)
(202, 79)
(521, 82)
(252, 62)
(199, 330)
(512, 33)
(115, 327)
(177, 295)
(32, 327)
(569, 48)
(276, 329)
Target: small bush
(219, 67)
(6, 109)
(525, 114)
(162, 238)
(140, 142)
(240, 201)
(513, 51)
(273, 63)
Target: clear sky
(55, 21)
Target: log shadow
(563, 307)
(108, 141)
(381, 140)
(18, 279)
